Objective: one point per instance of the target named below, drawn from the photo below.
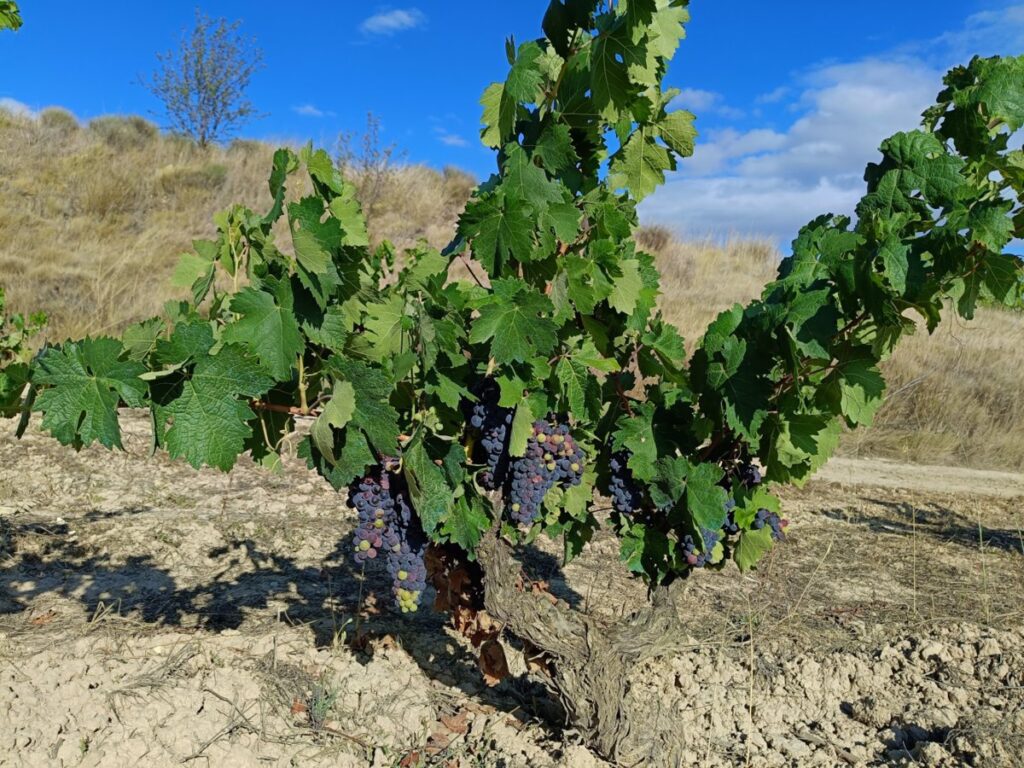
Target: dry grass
(94, 216)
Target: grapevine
(432, 397)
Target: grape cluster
(492, 423)
(773, 521)
(388, 526)
(698, 557)
(626, 495)
(731, 526)
(372, 500)
(749, 476)
(552, 458)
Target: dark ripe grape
(371, 498)
(750, 475)
(626, 495)
(699, 556)
(552, 458)
(492, 423)
(773, 521)
(731, 527)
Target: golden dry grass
(93, 217)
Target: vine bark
(589, 660)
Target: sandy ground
(151, 615)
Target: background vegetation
(94, 217)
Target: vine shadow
(933, 520)
(323, 598)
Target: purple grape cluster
(491, 423)
(773, 521)
(388, 526)
(750, 475)
(731, 526)
(552, 458)
(626, 495)
(372, 500)
(698, 557)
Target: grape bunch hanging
(552, 458)
(388, 526)
(490, 425)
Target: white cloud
(773, 96)
(705, 102)
(390, 22)
(771, 182)
(311, 110)
(451, 139)
(16, 107)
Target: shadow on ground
(932, 520)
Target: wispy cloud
(760, 181)
(705, 102)
(451, 139)
(390, 22)
(311, 110)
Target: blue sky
(792, 98)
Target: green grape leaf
(555, 148)
(626, 287)
(499, 229)
(526, 181)
(515, 319)
(384, 328)
(10, 15)
(526, 78)
(636, 434)
(705, 498)
(522, 428)
(499, 115)
(752, 546)
(667, 28)
(140, 340)
(285, 162)
(858, 387)
(267, 327)
(431, 496)
(579, 387)
(195, 270)
(347, 210)
(82, 384)
(335, 415)
(640, 164)
(373, 413)
(209, 420)
(677, 130)
(609, 78)
(466, 523)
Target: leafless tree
(203, 83)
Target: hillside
(94, 216)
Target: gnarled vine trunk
(589, 660)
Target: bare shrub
(368, 163)
(203, 83)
